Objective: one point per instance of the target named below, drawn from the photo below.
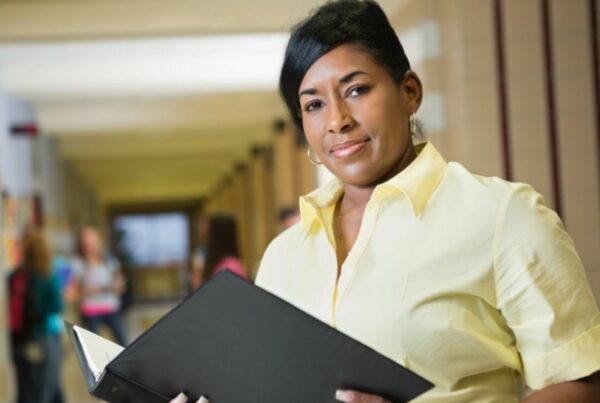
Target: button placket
(349, 267)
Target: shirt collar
(417, 181)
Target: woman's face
(355, 116)
(90, 242)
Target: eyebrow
(344, 80)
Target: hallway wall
(511, 90)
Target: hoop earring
(412, 124)
(310, 157)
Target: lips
(348, 148)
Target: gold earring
(310, 157)
(412, 124)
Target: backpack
(23, 312)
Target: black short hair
(286, 212)
(359, 22)
(222, 241)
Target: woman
(34, 297)
(101, 284)
(222, 251)
(470, 282)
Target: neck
(354, 197)
(358, 196)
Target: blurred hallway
(140, 109)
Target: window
(154, 239)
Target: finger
(202, 400)
(344, 395)
(180, 398)
(352, 396)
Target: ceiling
(150, 100)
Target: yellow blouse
(469, 281)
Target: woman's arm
(586, 390)
(582, 391)
(119, 283)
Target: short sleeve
(543, 292)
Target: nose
(339, 118)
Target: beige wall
(466, 75)
(4, 346)
(4, 359)
(527, 95)
(577, 126)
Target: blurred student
(35, 296)
(198, 262)
(101, 284)
(62, 270)
(222, 249)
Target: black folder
(237, 343)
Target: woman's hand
(182, 398)
(352, 396)
(348, 396)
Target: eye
(313, 105)
(358, 90)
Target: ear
(414, 90)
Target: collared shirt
(469, 281)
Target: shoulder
(524, 218)
(287, 241)
(478, 187)
(111, 262)
(230, 262)
(279, 251)
(473, 197)
(492, 205)
(50, 284)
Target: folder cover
(236, 343)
